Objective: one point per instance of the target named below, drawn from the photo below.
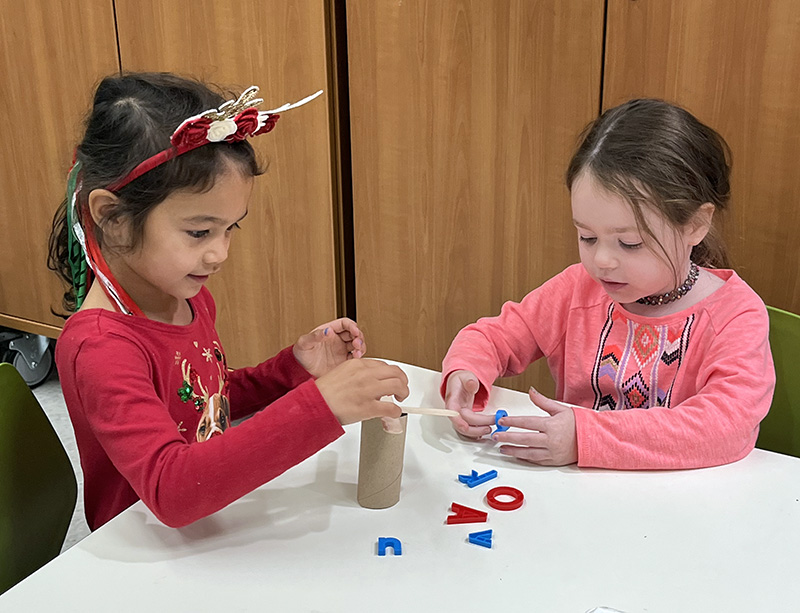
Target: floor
(52, 401)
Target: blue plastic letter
(497, 416)
(482, 538)
(387, 541)
(476, 479)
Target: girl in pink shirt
(659, 353)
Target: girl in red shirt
(161, 180)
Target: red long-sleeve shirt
(141, 394)
(681, 391)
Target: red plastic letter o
(516, 495)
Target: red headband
(234, 121)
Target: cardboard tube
(380, 466)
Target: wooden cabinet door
(735, 64)
(52, 53)
(464, 115)
(280, 277)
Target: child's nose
(604, 257)
(217, 252)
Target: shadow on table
(262, 515)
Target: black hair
(132, 118)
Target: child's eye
(197, 233)
(236, 225)
(630, 245)
(589, 240)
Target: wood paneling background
(51, 54)
(280, 278)
(464, 115)
(736, 66)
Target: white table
(710, 540)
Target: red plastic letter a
(465, 515)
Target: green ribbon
(75, 250)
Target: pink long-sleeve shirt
(681, 391)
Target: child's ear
(101, 207)
(700, 224)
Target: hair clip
(233, 121)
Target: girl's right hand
(353, 390)
(459, 395)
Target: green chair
(780, 430)
(38, 489)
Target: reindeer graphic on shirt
(216, 413)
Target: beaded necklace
(676, 294)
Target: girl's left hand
(328, 345)
(552, 441)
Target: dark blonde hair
(653, 153)
(132, 118)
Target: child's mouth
(612, 285)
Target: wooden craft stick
(429, 411)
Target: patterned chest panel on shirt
(205, 385)
(637, 364)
